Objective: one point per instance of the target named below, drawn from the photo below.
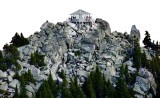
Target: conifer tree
(16, 95)
(88, 88)
(65, 93)
(3, 66)
(98, 84)
(76, 90)
(30, 77)
(121, 88)
(33, 59)
(23, 93)
(111, 92)
(147, 40)
(127, 75)
(145, 62)
(52, 85)
(137, 55)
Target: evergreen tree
(19, 40)
(145, 62)
(121, 88)
(16, 95)
(3, 66)
(137, 55)
(98, 84)
(122, 71)
(52, 85)
(147, 40)
(16, 40)
(30, 77)
(23, 93)
(88, 88)
(11, 54)
(76, 90)
(110, 90)
(65, 93)
(127, 75)
(33, 59)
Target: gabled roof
(80, 12)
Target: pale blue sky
(27, 16)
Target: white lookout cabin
(80, 17)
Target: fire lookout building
(80, 17)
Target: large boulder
(14, 83)
(149, 76)
(104, 25)
(4, 86)
(3, 74)
(30, 89)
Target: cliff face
(77, 51)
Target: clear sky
(27, 16)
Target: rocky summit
(77, 50)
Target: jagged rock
(35, 71)
(33, 86)
(138, 90)
(88, 56)
(3, 74)
(129, 63)
(88, 47)
(140, 96)
(82, 73)
(11, 73)
(109, 72)
(14, 83)
(131, 69)
(29, 94)
(10, 78)
(30, 89)
(4, 86)
(135, 33)
(149, 78)
(143, 83)
(96, 45)
(103, 24)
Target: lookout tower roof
(80, 12)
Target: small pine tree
(127, 75)
(88, 88)
(16, 95)
(65, 93)
(3, 66)
(121, 88)
(137, 55)
(23, 93)
(33, 59)
(52, 85)
(110, 92)
(76, 90)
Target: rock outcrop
(76, 51)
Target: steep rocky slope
(77, 51)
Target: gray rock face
(30, 89)
(135, 33)
(144, 82)
(3, 74)
(77, 51)
(14, 83)
(4, 86)
(102, 23)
